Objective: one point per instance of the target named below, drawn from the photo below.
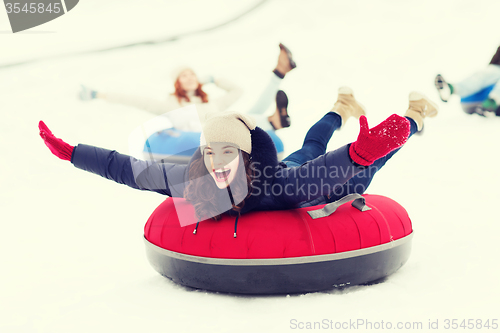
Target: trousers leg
(495, 92)
(316, 140)
(266, 97)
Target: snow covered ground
(71, 244)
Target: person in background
(188, 90)
(482, 79)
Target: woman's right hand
(57, 146)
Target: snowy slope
(71, 243)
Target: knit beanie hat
(231, 127)
(178, 70)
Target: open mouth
(222, 175)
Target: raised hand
(379, 141)
(57, 146)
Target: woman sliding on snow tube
(236, 169)
(188, 91)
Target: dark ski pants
(316, 140)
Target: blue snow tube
(278, 143)
(471, 103)
(175, 146)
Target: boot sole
(439, 82)
(282, 105)
(289, 55)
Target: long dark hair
(204, 194)
(181, 93)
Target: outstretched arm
(327, 173)
(120, 168)
(143, 103)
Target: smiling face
(188, 80)
(222, 161)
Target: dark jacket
(275, 186)
(496, 58)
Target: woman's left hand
(379, 141)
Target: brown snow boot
(420, 107)
(347, 106)
(285, 62)
(280, 119)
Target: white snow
(71, 244)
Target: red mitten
(379, 141)
(57, 146)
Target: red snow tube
(281, 252)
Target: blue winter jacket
(275, 187)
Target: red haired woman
(189, 90)
(236, 169)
